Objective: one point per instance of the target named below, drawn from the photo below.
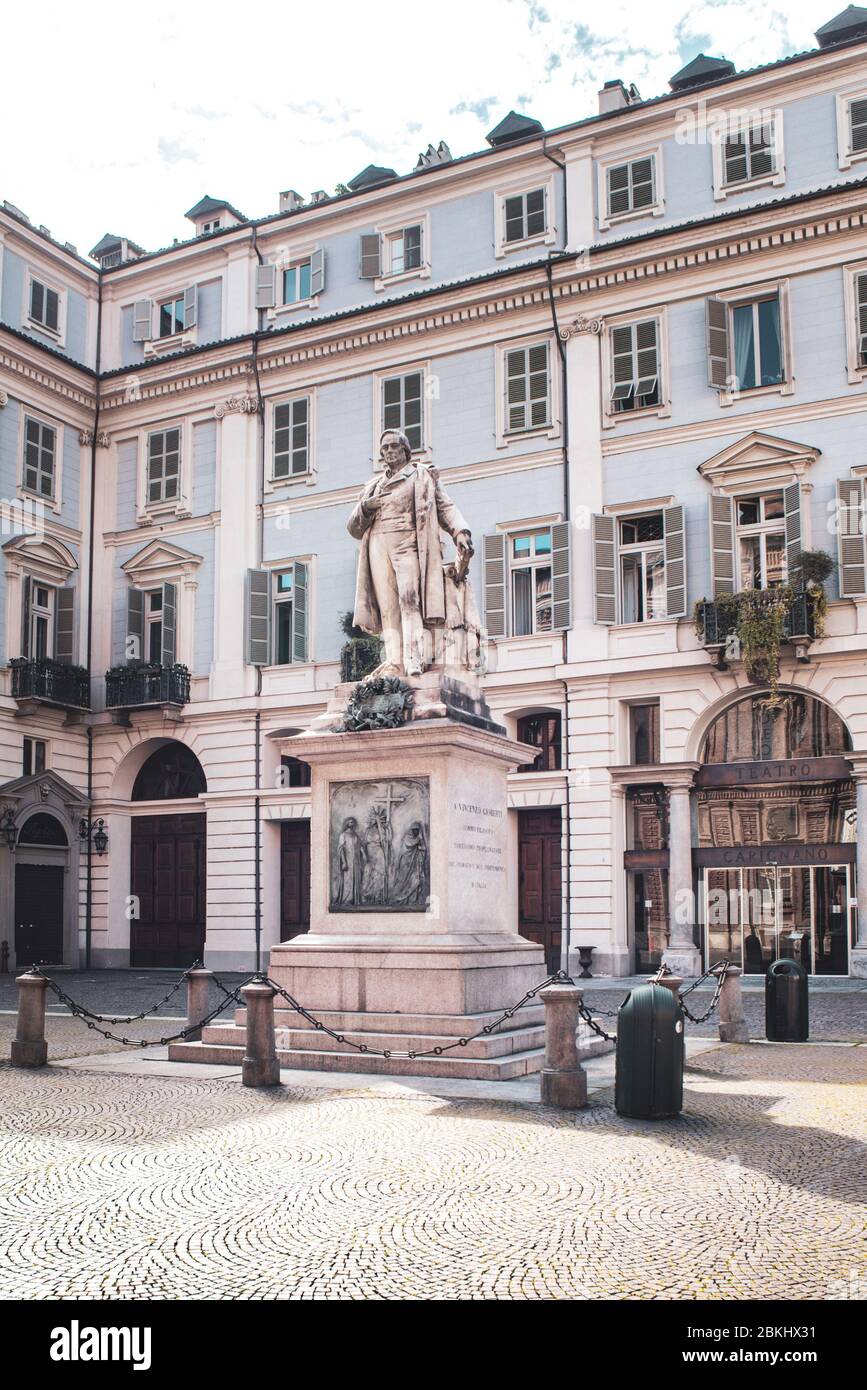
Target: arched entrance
(774, 835)
(41, 862)
(167, 861)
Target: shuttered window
(404, 250)
(635, 366)
(851, 527)
(290, 614)
(525, 215)
(164, 464)
(531, 598)
(296, 283)
(749, 154)
(171, 316)
(861, 317)
(858, 125)
(402, 407)
(639, 566)
(631, 186)
(528, 388)
(40, 449)
(292, 438)
(44, 306)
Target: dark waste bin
(649, 1063)
(787, 1010)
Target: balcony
(743, 624)
(50, 682)
(135, 687)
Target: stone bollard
(563, 1079)
(198, 980)
(672, 982)
(261, 1066)
(732, 1020)
(29, 1048)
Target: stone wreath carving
(384, 702)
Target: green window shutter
(514, 210)
(266, 286)
(26, 586)
(735, 160)
(142, 325)
(539, 384)
(371, 256)
(561, 581)
(134, 645)
(495, 585)
(861, 316)
(317, 272)
(258, 617)
(858, 125)
(674, 531)
(850, 537)
(169, 624)
(794, 524)
(646, 359)
(762, 152)
(191, 306)
(617, 180)
(64, 620)
(717, 323)
(300, 614)
(643, 181)
(722, 545)
(516, 389)
(604, 535)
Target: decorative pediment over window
(159, 560)
(756, 460)
(43, 555)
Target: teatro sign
(773, 770)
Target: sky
(118, 121)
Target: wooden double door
(168, 868)
(294, 878)
(38, 914)
(540, 912)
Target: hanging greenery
(360, 654)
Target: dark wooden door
(38, 914)
(540, 916)
(294, 878)
(168, 879)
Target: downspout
(564, 743)
(88, 892)
(260, 551)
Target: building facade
(635, 348)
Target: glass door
(756, 916)
(832, 896)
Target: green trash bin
(649, 1063)
(787, 1011)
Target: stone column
(29, 1048)
(858, 963)
(732, 1020)
(682, 957)
(563, 1079)
(198, 980)
(261, 1065)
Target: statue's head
(350, 823)
(394, 448)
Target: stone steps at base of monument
(424, 1025)
(310, 1040)
(466, 1068)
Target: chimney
(320, 196)
(290, 201)
(615, 95)
(439, 155)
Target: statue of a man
(401, 585)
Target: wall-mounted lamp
(8, 829)
(95, 828)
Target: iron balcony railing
(717, 621)
(127, 687)
(55, 682)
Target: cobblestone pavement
(119, 991)
(199, 1189)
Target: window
(528, 388)
(541, 731)
(296, 283)
(154, 626)
(761, 540)
(41, 638)
(756, 343)
(860, 284)
(171, 317)
(404, 250)
(294, 772)
(858, 126)
(34, 756)
(635, 358)
(749, 153)
(44, 306)
(290, 614)
(164, 459)
(291, 438)
(210, 226)
(644, 734)
(525, 215)
(643, 588)
(40, 447)
(530, 566)
(631, 186)
(402, 407)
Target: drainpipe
(260, 551)
(564, 744)
(88, 892)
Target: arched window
(541, 731)
(43, 829)
(172, 772)
(754, 730)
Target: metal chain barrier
(720, 971)
(82, 1012)
(587, 1016)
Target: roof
(701, 69)
(208, 204)
(110, 243)
(845, 25)
(373, 174)
(513, 127)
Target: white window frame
(46, 744)
(58, 334)
(391, 228)
(162, 562)
(856, 371)
(736, 121)
(157, 346)
(513, 565)
(307, 479)
(212, 226)
(47, 612)
(55, 501)
(515, 188)
(275, 567)
(509, 438)
(762, 528)
(846, 156)
(292, 255)
(656, 209)
(424, 454)
(611, 417)
(746, 294)
(639, 548)
(152, 619)
(148, 512)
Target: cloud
(173, 151)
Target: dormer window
(208, 227)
